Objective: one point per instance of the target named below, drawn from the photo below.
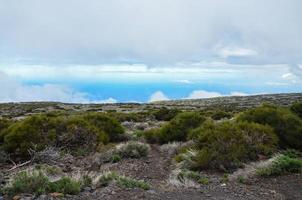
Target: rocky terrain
(158, 167)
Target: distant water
(140, 91)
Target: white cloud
(201, 94)
(158, 96)
(237, 52)
(149, 31)
(109, 100)
(238, 94)
(184, 81)
(14, 91)
(276, 83)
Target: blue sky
(101, 51)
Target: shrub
(177, 129)
(77, 134)
(4, 124)
(297, 108)
(109, 125)
(115, 158)
(282, 165)
(286, 125)
(132, 150)
(226, 145)
(35, 131)
(85, 181)
(195, 176)
(106, 178)
(165, 114)
(221, 115)
(36, 182)
(65, 185)
(24, 182)
(127, 182)
(122, 181)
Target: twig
(19, 165)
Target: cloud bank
(151, 31)
(14, 91)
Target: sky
(100, 51)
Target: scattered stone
(56, 195)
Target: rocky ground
(157, 167)
(155, 170)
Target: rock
(56, 194)
(17, 197)
(223, 185)
(151, 192)
(113, 192)
(87, 189)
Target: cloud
(158, 96)
(238, 94)
(14, 91)
(202, 94)
(236, 52)
(184, 81)
(150, 31)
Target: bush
(221, 115)
(37, 183)
(4, 124)
(226, 145)
(122, 181)
(165, 114)
(177, 129)
(33, 132)
(282, 165)
(65, 185)
(109, 125)
(133, 150)
(297, 108)
(286, 125)
(79, 133)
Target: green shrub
(79, 133)
(65, 185)
(115, 158)
(133, 150)
(127, 182)
(286, 125)
(226, 145)
(37, 183)
(122, 181)
(177, 129)
(24, 182)
(282, 165)
(195, 176)
(221, 115)
(165, 114)
(109, 125)
(85, 181)
(35, 131)
(107, 178)
(297, 108)
(4, 124)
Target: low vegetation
(132, 149)
(37, 183)
(177, 129)
(78, 133)
(122, 181)
(227, 145)
(297, 108)
(286, 125)
(284, 164)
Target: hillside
(217, 148)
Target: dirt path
(155, 169)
